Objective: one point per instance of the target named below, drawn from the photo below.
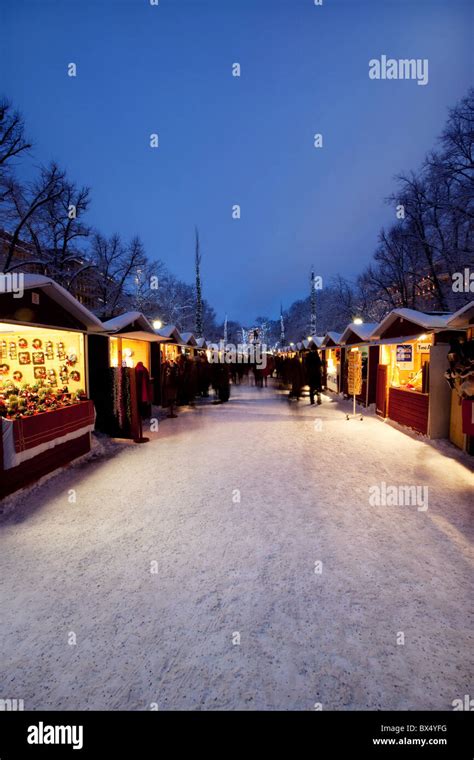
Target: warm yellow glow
(422, 337)
(358, 321)
(126, 352)
(45, 361)
(309, 337)
(134, 351)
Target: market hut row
(413, 367)
(63, 373)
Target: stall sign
(404, 356)
(354, 378)
(424, 348)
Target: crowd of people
(295, 374)
(187, 378)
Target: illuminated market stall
(171, 343)
(190, 343)
(45, 414)
(356, 337)
(411, 384)
(312, 340)
(331, 356)
(125, 374)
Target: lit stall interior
(127, 352)
(333, 359)
(408, 363)
(170, 351)
(41, 355)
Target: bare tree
(55, 231)
(116, 265)
(12, 135)
(25, 201)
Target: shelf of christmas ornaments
(41, 427)
(18, 402)
(35, 415)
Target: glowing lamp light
(157, 324)
(422, 337)
(292, 344)
(309, 337)
(358, 321)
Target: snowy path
(247, 568)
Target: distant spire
(282, 327)
(225, 330)
(313, 323)
(197, 263)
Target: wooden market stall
(356, 337)
(331, 357)
(411, 385)
(190, 343)
(171, 343)
(128, 341)
(461, 378)
(310, 340)
(45, 414)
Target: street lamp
(358, 321)
(157, 324)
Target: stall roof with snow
(409, 323)
(316, 339)
(331, 339)
(357, 333)
(464, 317)
(134, 325)
(39, 300)
(170, 333)
(189, 339)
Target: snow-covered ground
(158, 570)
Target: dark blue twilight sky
(167, 69)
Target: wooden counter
(409, 408)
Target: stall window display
(34, 378)
(169, 351)
(332, 368)
(127, 352)
(408, 364)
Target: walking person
(314, 367)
